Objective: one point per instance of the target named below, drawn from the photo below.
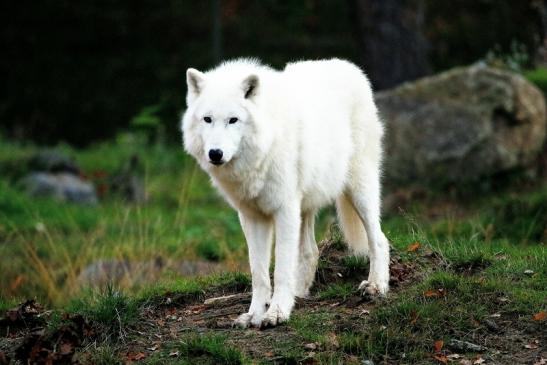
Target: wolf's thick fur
(291, 142)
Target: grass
(491, 259)
(209, 350)
(109, 309)
(47, 245)
(538, 76)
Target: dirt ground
(24, 339)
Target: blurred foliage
(81, 71)
(462, 31)
(516, 60)
(539, 77)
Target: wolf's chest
(252, 191)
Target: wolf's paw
(245, 320)
(373, 288)
(274, 316)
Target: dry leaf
(136, 356)
(541, 361)
(479, 360)
(452, 357)
(441, 358)
(174, 354)
(434, 293)
(540, 316)
(531, 346)
(439, 345)
(413, 247)
(465, 362)
(66, 348)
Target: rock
(460, 125)
(61, 186)
(464, 346)
(54, 162)
(116, 271)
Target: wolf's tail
(352, 226)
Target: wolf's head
(219, 117)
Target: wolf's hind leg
(352, 226)
(308, 256)
(364, 192)
(258, 233)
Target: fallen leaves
(434, 293)
(413, 247)
(441, 358)
(26, 313)
(540, 316)
(55, 347)
(135, 356)
(438, 345)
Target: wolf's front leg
(287, 228)
(258, 232)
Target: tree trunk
(392, 46)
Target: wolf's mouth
(216, 163)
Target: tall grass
(45, 246)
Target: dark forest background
(79, 71)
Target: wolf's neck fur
(244, 178)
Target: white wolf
(279, 145)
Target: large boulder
(461, 125)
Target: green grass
(538, 76)
(338, 291)
(181, 289)
(484, 249)
(110, 310)
(211, 349)
(48, 244)
(199, 349)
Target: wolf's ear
(194, 80)
(250, 86)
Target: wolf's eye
(207, 119)
(232, 120)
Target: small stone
(310, 346)
(367, 362)
(464, 346)
(491, 325)
(529, 272)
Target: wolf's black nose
(215, 155)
